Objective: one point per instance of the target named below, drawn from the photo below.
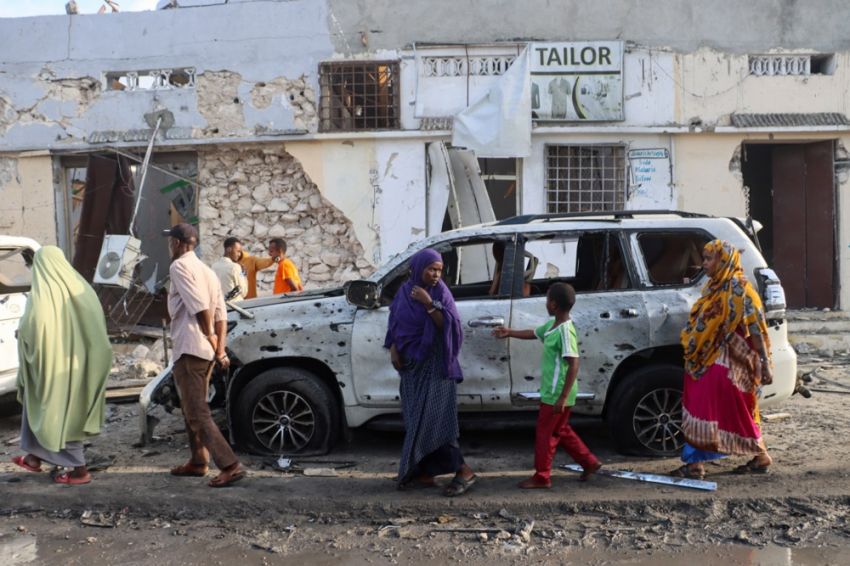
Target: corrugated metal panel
(784, 120)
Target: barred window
(585, 178)
(359, 95)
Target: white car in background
(15, 278)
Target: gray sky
(17, 8)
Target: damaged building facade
(335, 124)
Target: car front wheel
(645, 415)
(285, 411)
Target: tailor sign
(578, 81)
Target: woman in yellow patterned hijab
(726, 351)
(728, 302)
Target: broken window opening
(791, 65)
(673, 258)
(590, 262)
(501, 177)
(15, 270)
(154, 79)
(359, 95)
(585, 178)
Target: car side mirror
(363, 293)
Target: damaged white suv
(309, 366)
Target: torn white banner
(499, 124)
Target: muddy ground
(136, 513)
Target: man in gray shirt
(198, 331)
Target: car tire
(286, 411)
(645, 414)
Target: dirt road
(797, 514)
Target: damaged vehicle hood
(312, 294)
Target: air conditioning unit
(118, 258)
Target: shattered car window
(589, 262)
(673, 259)
(15, 274)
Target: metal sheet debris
(651, 478)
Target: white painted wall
(710, 85)
(27, 204)
(533, 198)
(399, 181)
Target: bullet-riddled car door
(468, 271)
(609, 314)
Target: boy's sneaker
(534, 483)
(586, 473)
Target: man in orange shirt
(251, 265)
(286, 280)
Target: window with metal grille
(359, 95)
(585, 178)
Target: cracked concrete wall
(51, 68)
(711, 85)
(27, 205)
(262, 193)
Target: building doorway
(792, 193)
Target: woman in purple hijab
(424, 336)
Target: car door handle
(490, 321)
(629, 313)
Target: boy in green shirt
(558, 388)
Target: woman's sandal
(752, 467)
(68, 479)
(22, 462)
(459, 485)
(687, 473)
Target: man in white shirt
(198, 334)
(234, 284)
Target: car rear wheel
(286, 411)
(645, 415)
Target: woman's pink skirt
(720, 415)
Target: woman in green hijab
(64, 360)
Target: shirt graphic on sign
(559, 89)
(558, 343)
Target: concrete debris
(776, 417)
(524, 530)
(102, 520)
(320, 472)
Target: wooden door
(804, 223)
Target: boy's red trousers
(554, 429)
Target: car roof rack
(604, 215)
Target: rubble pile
(258, 194)
(142, 363)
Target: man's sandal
(230, 479)
(459, 485)
(687, 473)
(189, 470)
